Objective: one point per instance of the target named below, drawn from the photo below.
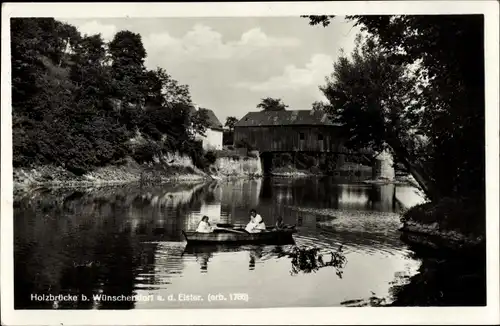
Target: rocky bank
(162, 170)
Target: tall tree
(272, 104)
(230, 122)
(128, 54)
(452, 96)
(170, 110)
(167, 90)
(89, 72)
(34, 41)
(374, 101)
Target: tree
(128, 54)
(34, 42)
(272, 104)
(89, 72)
(230, 122)
(162, 89)
(66, 89)
(319, 106)
(373, 100)
(451, 90)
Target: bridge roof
(284, 118)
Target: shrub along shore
(446, 225)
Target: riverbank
(159, 171)
(348, 169)
(452, 225)
(293, 173)
(399, 179)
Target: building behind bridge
(212, 139)
(288, 131)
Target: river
(119, 242)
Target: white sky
(231, 63)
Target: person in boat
(256, 223)
(204, 226)
(280, 225)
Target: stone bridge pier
(383, 166)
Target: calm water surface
(128, 241)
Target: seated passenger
(256, 223)
(279, 224)
(204, 226)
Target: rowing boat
(240, 236)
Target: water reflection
(128, 241)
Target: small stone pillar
(383, 166)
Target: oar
(230, 226)
(230, 230)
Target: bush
(244, 144)
(146, 152)
(210, 157)
(330, 165)
(253, 154)
(281, 160)
(311, 161)
(458, 214)
(286, 158)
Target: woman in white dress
(256, 223)
(204, 226)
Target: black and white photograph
(197, 161)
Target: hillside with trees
(78, 100)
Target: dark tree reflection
(307, 260)
(445, 280)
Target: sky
(230, 64)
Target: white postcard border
(290, 316)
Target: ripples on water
(129, 241)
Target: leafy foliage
(230, 122)
(441, 119)
(77, 100)
(319, 106)
(307, 260)
(243, 143)
(210, 157)
(272, 104)
(368, 94)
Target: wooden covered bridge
(295, 131)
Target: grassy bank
(449, 224)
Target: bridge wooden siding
(291, 131)
(290, 138)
